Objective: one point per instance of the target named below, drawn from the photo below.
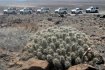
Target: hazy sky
(47, 0)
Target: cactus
(44, 57)
(44, 43)
(55, 55)
(95, 60)
(80, 42)
(45, 51)
(49, 58)
(78, 60)
(80, 52)
(85, 47)
(73, 55)
(68, 59)
(85, 59)
(62, 59)
(58, 51)
(74, 47)
(68, 48)
(57, 63)
(57, 43)
(50, 51)
(39, 55)
(52, 45)
(67, 64)
(64, 36)
(63, 51)
(67, 39)
(62, 46)
(54, 39)
(49, 39)
(90, 55)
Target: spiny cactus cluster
(62, 46)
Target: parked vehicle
(10, 11)
(43, 10)
(61, 10)
(77, 11)
(92, 10)
(26, 11)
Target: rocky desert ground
(16, 31)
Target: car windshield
(45, 8)
(91, 7)
(28, 8)
(11, 8)
(77, 8)
(63, 8)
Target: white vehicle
(61, 11)
(92, 10)
(10, 11)
(77, 11)
(43, 10)
(26, 11)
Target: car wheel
(5, 12)
(96, 11)
(65, 12)
(56, 12)
(30, 12)
(87, 12)
(21, 13)
(14, 12)
(38, 12)
(80, 12)
(71, 12)
(46, 12)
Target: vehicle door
(25, 10)
(77, 10)
(10, 10)
(92, 9)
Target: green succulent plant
(78, 60)
(61, 45)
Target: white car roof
(91, 7)
(12, 8)
(44, 8)
(62, 8)
(77, 8)
(27, 8)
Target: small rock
(49, 19)
(34, 64)
(102, 37)
(102, 16)
(58, 22)
(82, 67)
(16, 64)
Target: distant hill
(65, 0)
(48, 2)
(39, 1)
